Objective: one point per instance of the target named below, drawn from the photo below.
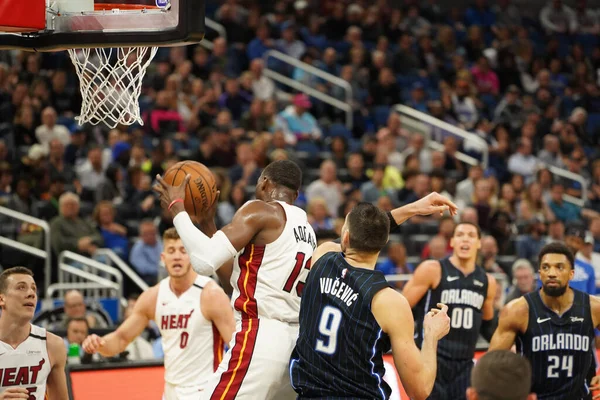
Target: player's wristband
(393, 224)
(175, 202)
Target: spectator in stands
(588, 255)
(466, 188)
(556, 17)
(523, 162)
(445, 230)
(327, 187)
(288, 43)
(145, 253)
(75, 307)
(374, 189)
(91, 172)
(355, 175)
(484, 202)
(71, 232)
(485, 78)
(507, 14)
(263, 88)
(318, 216)
(385, 92)
(77, 331)
(64, 99)
(57, 164)
(595, 232)
(510, 109)
(523, 280)
(550, 154)
(24, 127)
(417, 147)
(530, 244)
(233, 99)
(245, 172)
(297, 123)
(109, 188)
(585, 277)
(113, 234)
(488, 255)
(51, 130)
(396, 262)
(563, 210)
(463, 105)
(437, 248)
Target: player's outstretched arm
(426, 276)
(513, 319)
(217, 308)
(116, 342)
(433, 203)
(57, 381)
(417, 369)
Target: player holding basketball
(350, 317)
(272, 243)
(469, 294)
(193, 314)
(32, 360)
(554, 329)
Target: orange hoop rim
(119, 6)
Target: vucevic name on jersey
(560, 348)
(464, 296)
(340, 344)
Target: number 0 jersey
(268, 279)
(340, 347)
(192, 345)
(27, 366)
(560, 348)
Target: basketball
(201, 191)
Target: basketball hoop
(111, 45)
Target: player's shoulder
(260, 211)
(146, 303)
(56, 348)
(211, 290)
(516, 310)
(595, 305)
(324, 248)
(389, 306)
(428, 270)
(389, 298)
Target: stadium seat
(381, 114)
(339, 130)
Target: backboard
(52, 25)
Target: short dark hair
(557, 248)
(467, 223)
(501, 375)
(284, 173)
(12, 271)
(78, 319)
(369, 228)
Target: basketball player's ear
(472, 394)
(346, 237)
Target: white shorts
(257, 363)
(178, 392)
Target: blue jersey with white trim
(340, 347)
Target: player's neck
(180, 285)
(465, 265)
(559, 304)
(14, 331)
(361, 260)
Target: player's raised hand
(92, 344)
(595, 385)
(437, 322)
(434, 203)
(14, 393)
(167, 193)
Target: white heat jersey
(267, 280)
(27, 366)
(192, 345)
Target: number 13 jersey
(268, 280)
(560, 348)
(192, 344)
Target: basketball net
(110, 80)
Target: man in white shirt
(50, 130)
(327, 187)
(262, 87)
(523, 162)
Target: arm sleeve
(488, 328)
(206, 254)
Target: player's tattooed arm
(426, 276)
(513, 320)
(57, 380)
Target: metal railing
(575, 177)
(122, 265)
(46, 254)
(423, 123)
(215, 26)
(89, 270)
(325, 98)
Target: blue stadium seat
(593, 123)
(308, 147)
(381, 114)
(339, 130)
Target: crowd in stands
(526, 85)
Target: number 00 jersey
(192, 345)
(340, 347)
(27, 366)
(267, 280)
(560, 348)
(464, 296)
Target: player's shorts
(256, 365)
(452, 379)
(178, 392)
